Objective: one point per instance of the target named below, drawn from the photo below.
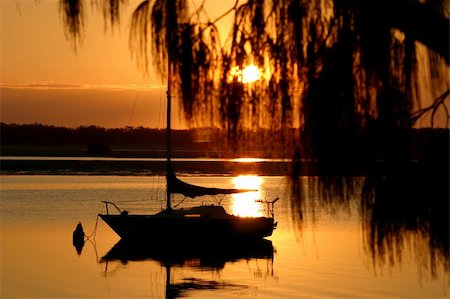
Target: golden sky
(44, 80)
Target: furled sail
(175, 185)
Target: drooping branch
(292, 42)
(433, 30)
(72, 12)
(167, 21)
(140, 27)
(344, 73)
(111, 11)
(74, 15)
(437, 103)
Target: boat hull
(141, 227)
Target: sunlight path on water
(245, 204)
(324, 260)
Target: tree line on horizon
(212, 141)
(262, 142)
(41, 134)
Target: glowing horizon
(44, 80)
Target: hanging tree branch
(297, 43)
(437, 103)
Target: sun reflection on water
(244, 204)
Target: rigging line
(108, 191)
(159, 110)
(94, 245)
(156, 179)
(180, 202)
(135, 100)
(95, 229)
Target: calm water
(326, 258)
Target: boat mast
(168, 135)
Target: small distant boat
(201, 222)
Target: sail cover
(176, 185)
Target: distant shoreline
(97, 151)
(139, 167)
(182, 166)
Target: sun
(249, 74)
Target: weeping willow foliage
(327, 64)
(72, 13)
(342, 81)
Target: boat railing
(270, 205)
(113, 204)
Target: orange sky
(43, 80)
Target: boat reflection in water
(205, 256)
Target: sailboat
(205, 222)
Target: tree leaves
(327, 64)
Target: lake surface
(324, 255)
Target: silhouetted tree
(327, 63)
(347, 73)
